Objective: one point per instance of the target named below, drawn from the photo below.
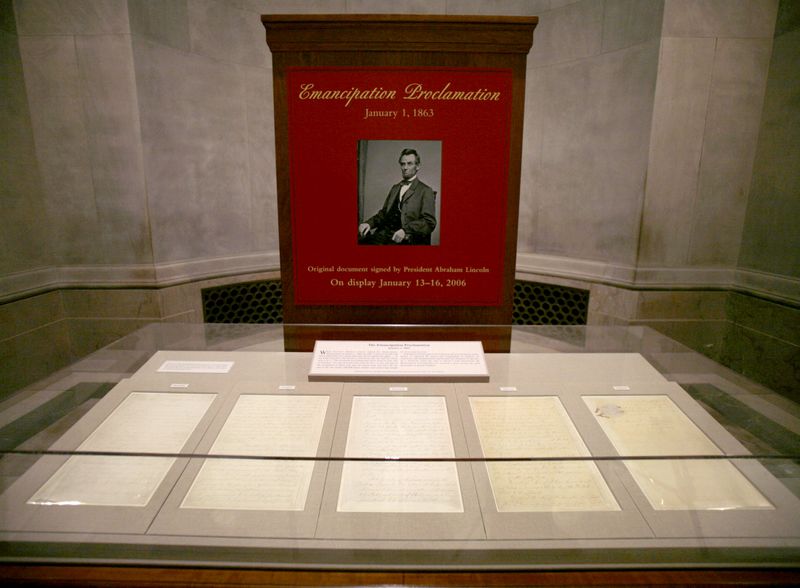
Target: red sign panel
(362, 237)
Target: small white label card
(196, 367)
(452, 361)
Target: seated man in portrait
(408, 216)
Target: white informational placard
(537, 426)
(399, 426)
(262, 425)
(195, 367)
(360, 361)
(652, 425)
(145, 422)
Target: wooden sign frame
(451, 88)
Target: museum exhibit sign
(364, 103)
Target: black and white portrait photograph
(399, 192)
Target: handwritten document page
(654, 425)
(262, 425)
(144, 422)
(456, 359)
(399, 426)
(537, 426)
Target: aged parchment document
(537, 426)
(644, 425)
(262, 425)
(399, 426)
(144, 422)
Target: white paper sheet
(262, 425)
(642, 425)
(537, 426)
(399, 426)
(145, 422)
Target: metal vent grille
(262, 302)
(252, 302)
(547, 304)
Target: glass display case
(589, 447)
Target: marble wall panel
(112, 120)
(223, 32)
(71, 17)
(194, 134)
(295, 6)
(261, 158)
(676, 143)
(30, 313)
(189, 316)
(531, 161)
(55, 97)
(87, 335)
(163, 21)
(84, 114)
(8, 22)
(257, 6)
(590, 182)
(753, 313)
(765, 359)
(24, 243)
(788, 18)
(572, 32)
(24, 237)
(630, 22)
(599, 319)
(729, 144)
(610, 301)
(682, 305)
(504, 7)
(559, 191)
(704, 336)
(396, 6)
(720, 18)
(33, 355)
(182, 303)
(771, 239)
(125, 303)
